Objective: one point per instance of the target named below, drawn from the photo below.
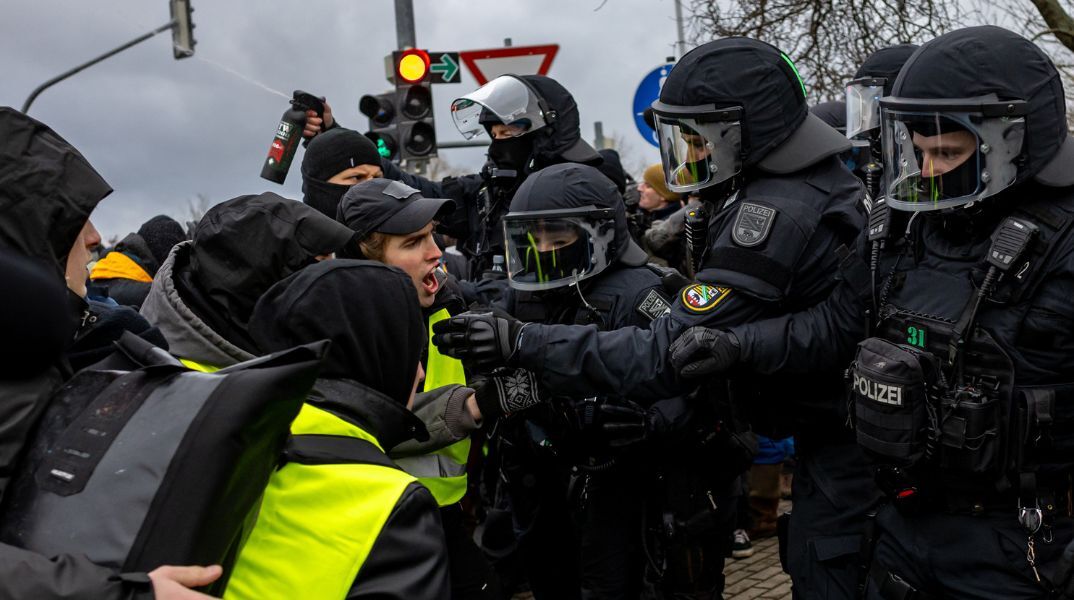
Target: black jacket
(794, 265)
(47, 192)
(377, 340)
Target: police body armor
(564, 428)
(485, 223)
(934, 397)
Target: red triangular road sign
(514, 60)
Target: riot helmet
(873, 81)
(540, 123)
(973, 113)
(508, 100)
(735, 104)
(567, 223)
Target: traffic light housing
(182, 29)
(383, 129)
(414, 104)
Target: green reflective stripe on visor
(537, 253)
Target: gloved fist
(483, 342)
(700, 351)
(629, 424)
(505, 392)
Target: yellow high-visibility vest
(317, 523)
(443, 471)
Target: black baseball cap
(388, 206)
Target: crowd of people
(557, 377)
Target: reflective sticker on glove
(701, 298)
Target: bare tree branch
(1059, 22)
(828, 39)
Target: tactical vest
(565, 429)
(934, 395)
(322, 512)
(443, 471)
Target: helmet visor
(698, 154)
(863, 106)
(551, 249)
(938, 159)
(506, 100)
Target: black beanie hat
(337, 150)
(160, 234)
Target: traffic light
(383, 129)
(182, 29)
(414, 105)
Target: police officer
(533, 122)
(733, 126)
(577, 499)
(874, 79)
(972, 297)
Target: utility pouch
(971, 428)
(890, 388)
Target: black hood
(136, 249)
(47, 190)
(561, 140)
(978, 61)
(33, 308)
(368, 310)
(886, 63)
(245, 245)
(576, 186)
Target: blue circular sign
(647, 93)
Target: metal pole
(86, 65)
(404, 24)
(680, 45)
(464, 144)
(598, 135)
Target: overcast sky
(162, 131)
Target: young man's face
(945, 152)
(79, 257)
(357, 174)
(418, 255)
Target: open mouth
(431, 282)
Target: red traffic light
(412, 66)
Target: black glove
(700, 351)
(482, 341)
(629, 424)
(505, 392)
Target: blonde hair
(372, 247)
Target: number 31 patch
(701, 298)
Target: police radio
(288, 134)
(696, 230)
(1009, 243)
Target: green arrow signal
(447, 67)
